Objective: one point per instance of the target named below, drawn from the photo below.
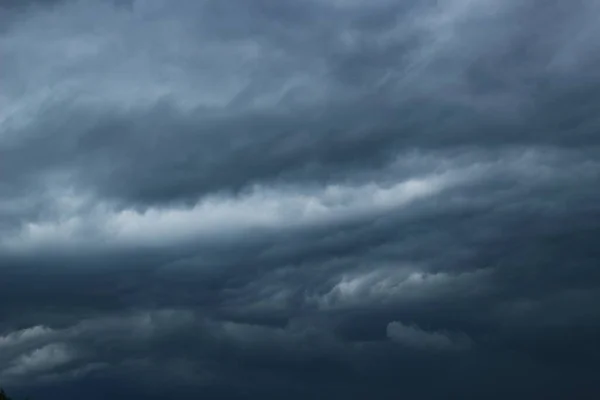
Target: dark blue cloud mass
(257, 199)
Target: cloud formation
(413, 336)
(325, 198)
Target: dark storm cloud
(26, 3)
(339, 120)
(332, 198)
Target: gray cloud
(334, 198)
(413, 336)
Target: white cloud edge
(214, 216)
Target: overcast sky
(300, 199)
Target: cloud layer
(316, 199)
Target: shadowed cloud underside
(313, 199)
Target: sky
(315, 199)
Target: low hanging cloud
(413, 336)
(45, 358)
(325, 198)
